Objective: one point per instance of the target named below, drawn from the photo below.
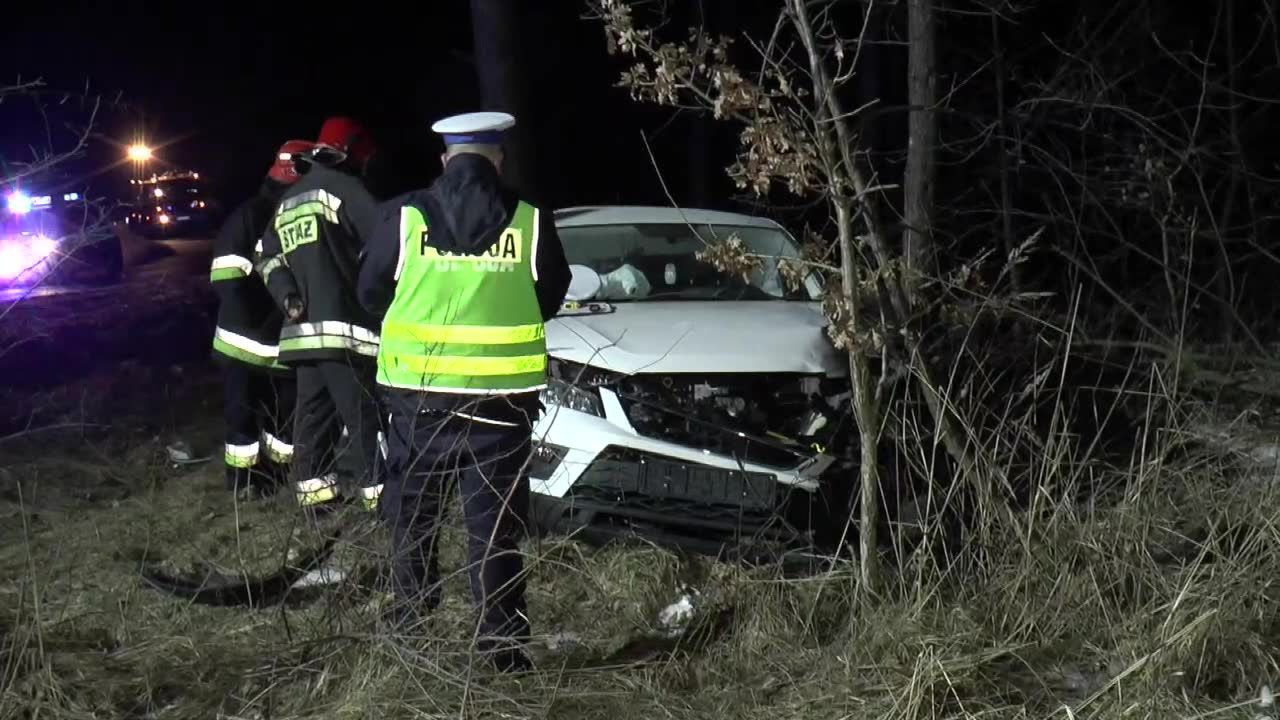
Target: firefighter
(463, 275)
(258, 390)
(311, 252)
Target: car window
(658, 261)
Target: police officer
(310, 258)
(258, 390)
(464, 275)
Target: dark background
(1051, 112)
(217, 88)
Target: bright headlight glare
(19, 202)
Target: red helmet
(283, 170)
(347, 138)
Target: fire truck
(170, 205)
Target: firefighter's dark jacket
(467, 208)
(311, 251)
(248, 319)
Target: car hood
(699, 337)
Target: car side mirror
(584, 283)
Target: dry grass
(1159, 604)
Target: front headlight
(575, 386)
(559, 393)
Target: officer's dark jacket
(311, 250)
(248, 318)
(467, 208)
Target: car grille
(627, 473)
(642, 489)
(754, 419)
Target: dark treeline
(1132, 141)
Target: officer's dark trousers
(332, 394)
(430, 451)
(258, 417)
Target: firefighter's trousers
(333, 395)
(258, 418)
(429, 451)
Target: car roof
(637, 214)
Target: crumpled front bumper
(570, 444)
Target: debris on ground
(320, 576)
(674, 618)
(180, 453)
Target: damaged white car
(685, 402)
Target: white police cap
(477, 128)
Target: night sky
(220, 87)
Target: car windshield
(658, 261)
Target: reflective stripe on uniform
(270, 265)
(229, 267)
(246, 344)
(423, 333)
(369, 496)
(330, 327)
(240, 456)
(328, 342)
(277, 449)
(316, 490)
(310, 209)
(326, 200)
(404, 251)
(245, 349)
(415, 385)
(533, 252)
(485, 420)
(433, 365)
(326, 335)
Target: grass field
(1159, 602)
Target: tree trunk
(922, 91)
(974, 460)
(697, 192)
(866, 411)
(1002, 140)
(698, 145)
(1226, 274)
(503, 77)
(918, 185)
(836, 146)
